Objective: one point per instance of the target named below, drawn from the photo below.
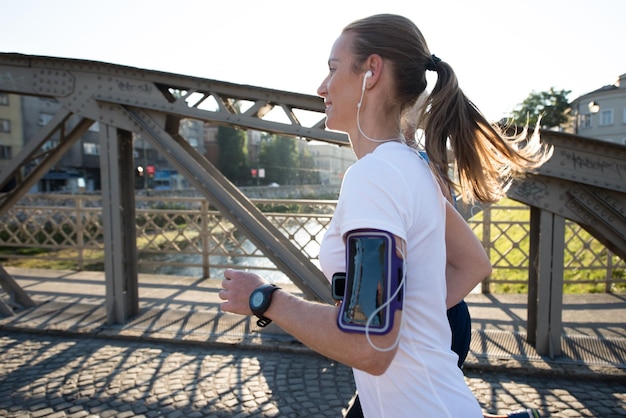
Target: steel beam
(234, 205)
(533, 276)
(548, 265)
(600, 211)
(17, 296)
(80, 85)
(119, 230)
(585, 161)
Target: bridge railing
(187, 236)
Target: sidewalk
(182, 357)
(186, 310)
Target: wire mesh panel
(186, 236)
(504, 230)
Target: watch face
(257, 299)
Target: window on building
(4, 99)
(606, 117)
(5, 125)
(5, 152)
(89, 148)
(44, 118)
(585, 120)
(50, 144)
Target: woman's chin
(333, 126)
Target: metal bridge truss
(585, 181)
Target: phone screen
(367, 283)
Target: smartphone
(338, 286)
(373, 280)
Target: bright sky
(501, 50)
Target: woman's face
(341, 89)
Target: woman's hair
(486, 158)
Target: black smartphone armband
(373, 280)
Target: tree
(549, 105)
(233, 160)
(308, 172)
(279, 157)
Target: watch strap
(262, 322)
(268, 290)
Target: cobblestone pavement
(47, 375)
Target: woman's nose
(321, 90)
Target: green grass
(584, 257)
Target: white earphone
(368, 74)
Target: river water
(308, 238)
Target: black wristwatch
(260, 300)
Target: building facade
(331, 161)
(78, 170)
(601, 114)
(11, 135)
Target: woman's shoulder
(392, 172)
(370, 169)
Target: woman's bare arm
(467, 261)
(312, 323)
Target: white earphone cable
(358, 121)
(392, 297)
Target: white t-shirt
(392, 189)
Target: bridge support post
(118, 213)
(18, 297)
(545, 289)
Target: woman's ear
(374, 66)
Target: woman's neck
(363, 146)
